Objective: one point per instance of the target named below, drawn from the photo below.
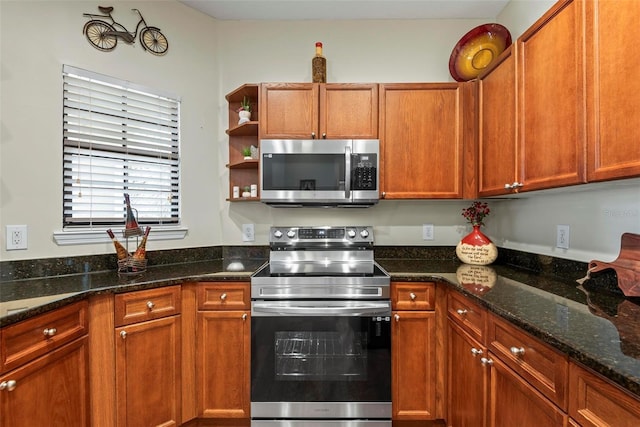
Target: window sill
(85, 237)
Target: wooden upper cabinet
(423, 132)
(613, 87)
(551, 99)
(322, 111)
(497, 159)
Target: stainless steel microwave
(319, 172)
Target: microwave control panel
(364, 174)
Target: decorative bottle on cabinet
(319, 66)
(121, 252)
(141, 251)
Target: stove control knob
(291, 234)
(364, 233)
(277, 234)
(351, 233)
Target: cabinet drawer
(224, 296)
(543, 367)
(413, 296)
(34, 337)
(594, 401)
(468, 315)
(139, 306)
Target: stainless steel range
(321, 331)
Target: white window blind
(118, 138)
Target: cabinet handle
(324, 136)
(475, 351)
(49, 332)
(462, 311)
(150, 305)
(412, 296)
(517, 351)
(383, 194)
(244, 316)
(397, 317)
(223, 297)
(313, 135)
(8, 385)
(123, 334)
(486, 361)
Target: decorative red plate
(477, 49)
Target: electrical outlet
(16, 237)
(248, 233)
(562, 236)
(427, 232)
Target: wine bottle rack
(131, 265)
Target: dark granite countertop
(597, 328)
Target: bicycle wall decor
(104, 35)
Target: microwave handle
(347, 172)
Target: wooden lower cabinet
(223, 364)
(468, 380)
(148, 373)
(52, 390)
(513, 402)
(413, 358)
(223, 350)
(595, 402)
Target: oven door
(321, 360)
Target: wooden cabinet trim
(27, 340)
(140, 306)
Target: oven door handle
(363, 309)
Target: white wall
(209, 58)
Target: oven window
(304, 172)
(306, 359)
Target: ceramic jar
(476, 248)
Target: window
(118, 138)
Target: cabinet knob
(49, 332)
(397, 317)
(412, 296)
(223, 296)
(462, 311)
(123, 334)
(8, 385)
(383, 195)
(150, 305)
(517, 351)
(313, 135)
(485, 361)
(244, 316)
(324, 136)
(475, 351)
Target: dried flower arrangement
(476, 212)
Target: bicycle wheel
(96, 34)
(154, 41)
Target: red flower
(476, 212)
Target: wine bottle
(131, 225)
(319, 66)
(121, 252)
(141, 252)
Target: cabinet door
(348, 111)
(413, 359)
(497, 127)
(513, 402)
(289, 110)
(148, 387)
(613, 87)
(50, 391)
(421, 140)
(467, 380)
(551, 99)
(223, 352)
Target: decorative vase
(476, 248)
(245, 116)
